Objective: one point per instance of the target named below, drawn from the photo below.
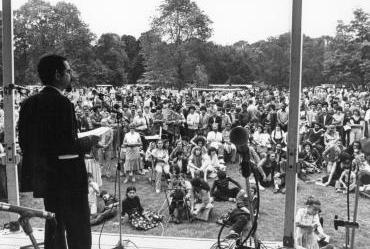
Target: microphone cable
(128, 241)
(257, 208)
(101, 230)
(218, 244)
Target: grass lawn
(271, 222)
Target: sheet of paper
(96, 132)
(155, 137)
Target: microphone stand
(119, 165)
(24, 221)
(26, 226)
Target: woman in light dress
(160, 157)
(105, 151)
(309, 229)
(131, 144)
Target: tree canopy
(177, 51)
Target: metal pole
(294, 103)
(357, 193)
(9, 122)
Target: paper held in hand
(96, 132)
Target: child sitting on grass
(220, 189)
(343, 180)
(139, 219)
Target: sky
(233, 20)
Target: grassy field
(271, 220)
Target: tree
(157, 60)
(346, 61)
(181, 21)
(41, 28)
(200, 76)
(135, 66)
(313, 61)
(110, 50)
(274, 58)
(178, 24)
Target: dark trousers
(179, 204)
(266, 184)
(191, 133)
(73, 222)
(364, 178)
(226, 194)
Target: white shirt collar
(60, 91)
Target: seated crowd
(181, 141)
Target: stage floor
(109, 240)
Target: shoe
(176, 220)
(275, 191)
(232, 236)
(320, 184)
(282, 191)
(125, 181)
(157, 191)
(261, 188)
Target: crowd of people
(181, 140)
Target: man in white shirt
(192, 120)
(140, 122)
(148, 115)
(214, 139)
(147, 101)
(229, 147)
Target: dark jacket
(328, 120)
(47, 129)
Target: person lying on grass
(107, 208)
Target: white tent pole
(9, 122)
(294, 104)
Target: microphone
(18, 88)
(343, 223)
(26, 212)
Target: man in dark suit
(53, 166)
(325, 119)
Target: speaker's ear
(57, 75)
